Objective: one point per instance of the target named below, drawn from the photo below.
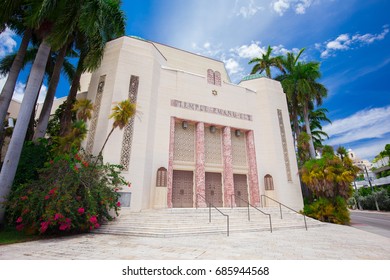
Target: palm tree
(289, 83)
(55, 64)
(43, 120)
(265, 62)
(109, 22)
(308, 89)
(55, 21)
(12, 15)
(121, 113)
(83, 109)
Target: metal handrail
(249, 217)
(280, 207)
(211, 205)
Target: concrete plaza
(326, 242)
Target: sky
(349, 38)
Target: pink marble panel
(228, 182)
(170, 162)
(253, 177)
(200, 161)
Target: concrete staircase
(188, 221)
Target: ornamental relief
(239, 150)
(96, 110)
(129, 128)
(184, 143)
(284, 145)
(213, 145)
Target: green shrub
(327, 210)
(72, 194)
(33, 158)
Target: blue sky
(350, 38)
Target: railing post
(227, 218)
(209, 212)
(249, 216)
(280, 207)
(231, 201)
(270, 223)
(304, 218)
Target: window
(268, 182)
(161, 180)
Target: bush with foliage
(33, 157)
(328, 210)
(72, 194)
(329, 178)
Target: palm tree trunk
(66, 119)
(12, 157)
(308, 131)
(105, 142)
(9, 86)
(43, 121)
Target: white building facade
(196, 136)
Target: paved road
(371, 221)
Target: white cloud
(7, 43)
(365, 124)
(299, 6)
(247, 11)
(232, 66)
(346, 42)
(208, 49)
(20, 88)
(371, 149)
(281, 6)
(249, 51)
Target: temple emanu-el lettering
(196, 137)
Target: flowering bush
(72, 194)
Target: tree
(121, 113)
(55, 22)
(83, 109)
(55, 64)
(329, 176)
(265, 62)
(309, 90)
(12, 13)
(105, 26)
(289, 83)
(316, 118)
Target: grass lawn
(9, 235)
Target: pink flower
(52, 191)
(129, 185)
(97, 225)
(81, 211)
(75, 168)
(65, 225)
(19, 220)
(58, 216)
(85, 163)
(118, 204)
(20, 227)
(93, 219)
(44, 226)
(24, 197)
(47, 197)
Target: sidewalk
(327, 242)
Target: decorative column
(253, 177)
(200, 186)
(228, 181)
(170, 162)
